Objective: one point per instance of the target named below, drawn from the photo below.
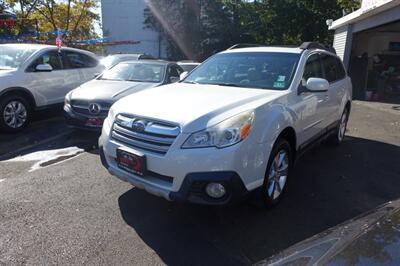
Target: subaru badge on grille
(139, 126)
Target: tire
(15, 113)
(337, 137)
(275, 182)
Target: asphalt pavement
(67, 210)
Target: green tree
(198, 28)
(349, 5)
(74, 16)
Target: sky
(97, 27)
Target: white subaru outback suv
(233, 125)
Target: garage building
(368, 41)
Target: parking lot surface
(58, 205)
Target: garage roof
(364, 13)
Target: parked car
(188, 66)
(112, 60)
(370, 239)
(34, 76)
(235, 124)
(87, 106)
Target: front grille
(155, 136)
(82, 107)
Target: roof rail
(244, 45)
(315, 45)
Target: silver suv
(34, 76)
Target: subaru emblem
(139, 126)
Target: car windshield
(265, 70)
(12, 57)
(188, 67)
(109, 61)
(141, 72)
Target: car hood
(108, 90)
(193, 106)
(371, 239)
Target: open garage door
(375, 63)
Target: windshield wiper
(190, 82)
(227, 84)
(111, 79)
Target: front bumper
(182, 174)
(76, 120)
(193, 187)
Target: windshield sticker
(281, 78)
(279, 85)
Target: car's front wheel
(277, 174)
(15, 113)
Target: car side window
(341, 71)
(312, 69)
(333, 68)
(79, 60)
(53, 58)
(174, 71)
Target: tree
(349, 5)
(198, 28)
(74, 16)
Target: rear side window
(79, 60)
(333, 67)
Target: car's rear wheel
(15, 113)
(277, 174)
(340, 131)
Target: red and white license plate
(94, 122)
(130, 162)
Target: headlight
(224, 134)
(67, 99)
(111, 114)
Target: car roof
(28, 45)
(37, 46)
(268, 49)
(160, 62)
(124, 55)
(188, 63)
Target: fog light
(215, 190)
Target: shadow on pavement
(329, 185)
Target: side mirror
(173, 79)
(44, 68)
(183, 75)
(315, 85)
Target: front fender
(270, 121)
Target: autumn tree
(74, 16)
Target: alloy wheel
(15, 114)
(278, 174)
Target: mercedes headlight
(67, 99)
(226, 133)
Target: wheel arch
(20, 91)
(289, 134)
(348, 105)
